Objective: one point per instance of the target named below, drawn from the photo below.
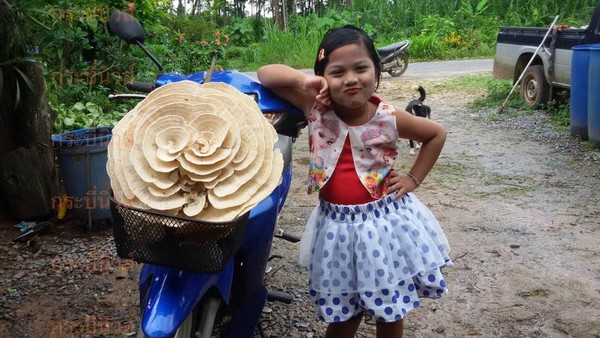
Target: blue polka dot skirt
(378, 257)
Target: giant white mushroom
(196, 150)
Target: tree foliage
(84, 62)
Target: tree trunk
(27, 171)
(180, 9)
(277, 14)
(259, 8)
(284, 13)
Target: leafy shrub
(84, 115)
(79, 107)
(194, 28)
(426, 47)
(189, 56)
(559, 108)
(243, 32)
(435, 25)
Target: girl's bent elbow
(443, 134)
(441, 131)
(262, 74)
(440, 135)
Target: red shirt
(344, 186)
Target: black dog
(417, 108)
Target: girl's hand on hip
(401, 184)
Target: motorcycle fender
(170, 295)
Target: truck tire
(535, 89)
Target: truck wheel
(535, 89)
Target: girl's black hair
(341, 36)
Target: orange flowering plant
(197, 56)
(455, 40)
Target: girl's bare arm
(300, 89)
(432, 136)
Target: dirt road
(433, 69)
(519, 202)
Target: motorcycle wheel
(187, 328)
(200, 322)
(399, 65)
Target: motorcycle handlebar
(145, 87)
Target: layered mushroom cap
(197, 150)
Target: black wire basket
(176, 242)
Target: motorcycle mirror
(129, 29)
(126, 27)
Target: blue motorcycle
(195, 280)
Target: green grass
(472, 82)
(494, 93)
(559, 110)
(449, 173)
(496, 184)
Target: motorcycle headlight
(285, 122)
(274, 117)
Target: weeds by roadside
(555, 115)
(495, 91)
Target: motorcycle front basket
(175, 242)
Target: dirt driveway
(519, 201)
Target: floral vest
(373, 147)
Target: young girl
(374, 248)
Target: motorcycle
(394, 57)
(184, 299)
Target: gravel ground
(518, 200)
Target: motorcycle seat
(392, 47)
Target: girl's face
(350, 73)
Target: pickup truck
(551, 67)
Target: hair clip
(321, 55)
